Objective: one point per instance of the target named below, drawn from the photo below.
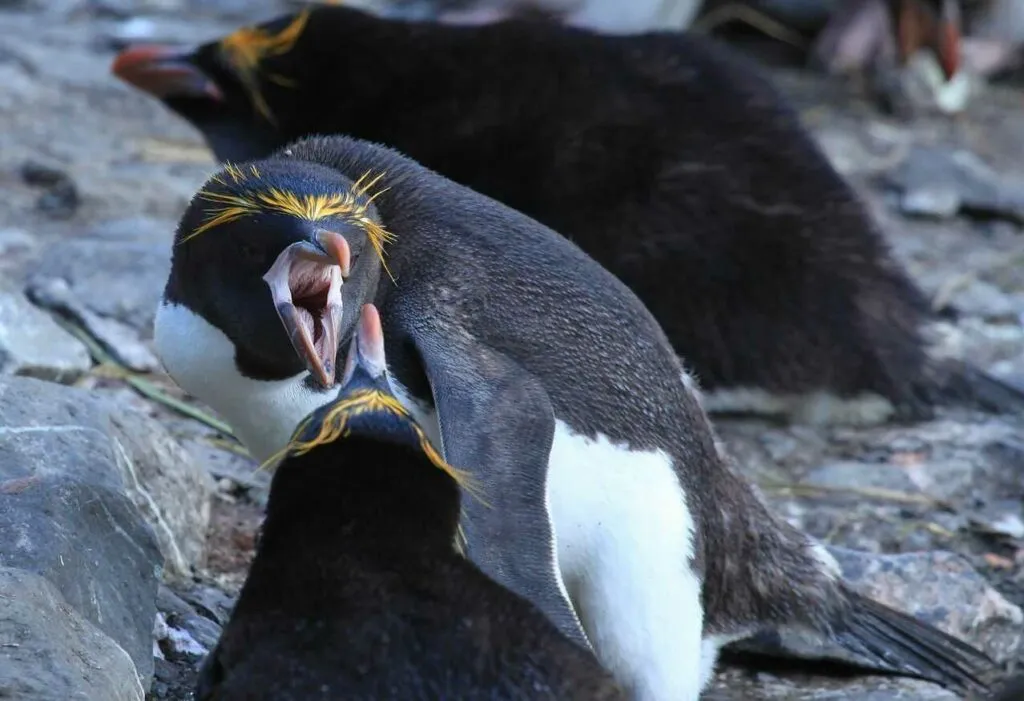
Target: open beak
(305, 283)
(163, 71)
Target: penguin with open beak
(667, 158)
(599, 492)
(357, 590)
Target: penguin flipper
(497, 424)
(897, 642)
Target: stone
(172, 681)
(92, 545)
(858, 474)
(940, 182)
(734, 685)
(171, 490)
(940, 588)
(120, 280)
(60, 198)
(12, 240)
(67, 460)
(118, 339)
(980, 298)
(190, 632)
(34, 345)
(50, 652)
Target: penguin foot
(894, 641)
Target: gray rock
(118, 339)
(32, 344)
(171, 490)
(49, 652)
(940, 182)
(846, 474)
(201, 629)
(137, 229)
(12, 240)
(942, 589)
(92, 545)
(67, 457)
(980, 298)
(131, 452)
(119, 280)
(939, 588)
(734, 685)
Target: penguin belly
(624, 534)
(625, 540)
(200, 359)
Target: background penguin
(665, 157)
(357, 591)
(607, 16)
(535, 370)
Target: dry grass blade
(150, 390)
(161, 151)
(741, 12)
(876, 493)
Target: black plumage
(667, 158)
(357, 593)
(505, 328)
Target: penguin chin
(307, 296)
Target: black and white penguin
(668, 159)
(535, 370)
(357, 591)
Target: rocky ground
(95, 443)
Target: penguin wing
(497, 424)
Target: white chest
(624, 534)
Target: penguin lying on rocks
(668, 159)
(357, 592)
(607, 16)
(599, 489)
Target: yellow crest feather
(248, 46)
(353, 204)
(335, 426)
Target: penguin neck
(365, 497)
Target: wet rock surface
(935, 509)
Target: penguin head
(279, 255)
(366, 415)
(250, 92)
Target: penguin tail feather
(902, 644)
(964, 383)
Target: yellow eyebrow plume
(353, 204)
(335, 426)
(247, 47)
